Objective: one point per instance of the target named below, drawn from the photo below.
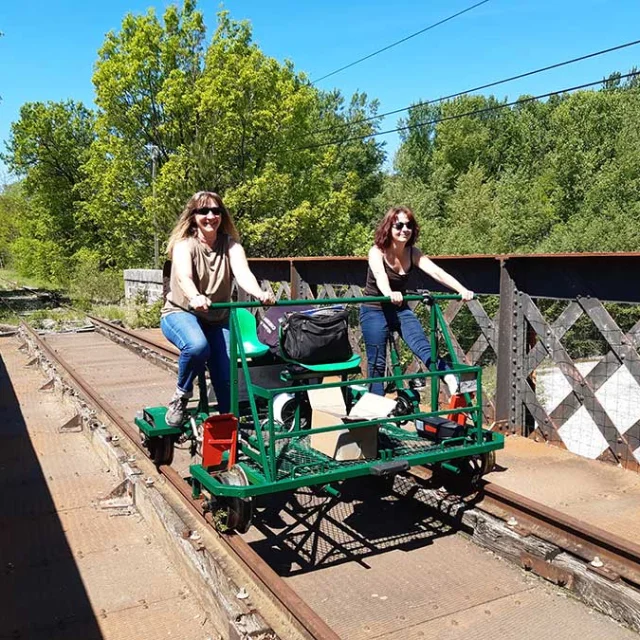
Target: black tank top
(397, 281)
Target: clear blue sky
(49, 48)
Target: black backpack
(320, 336)
(269, 326)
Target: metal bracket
(73, 425)
(547, 570)
(121, 499)
(610, 575)
(48, 385)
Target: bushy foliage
(93, 284)
(147, 315)
(555, 176)
(44, 260)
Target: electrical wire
(476, 112)
(478, 88)
(394, 44)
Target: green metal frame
(275, 459)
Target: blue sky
(49, 48)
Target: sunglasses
(203, 211)
(398, 226)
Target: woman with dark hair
(206, 255)
(391, 260)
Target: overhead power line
(478, 88)
(395, 44)
(476, 112)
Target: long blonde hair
(186, 226)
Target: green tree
(560, 175)
(48, 146)
(260, 142)
(144, 81)
(229, 119)
(12, 202)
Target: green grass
(135, 314)
(12, 276)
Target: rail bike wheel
(238, 511)
(407, 402)
(160, 449)
(471, 469)
(284, 410)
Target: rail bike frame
(272, 458)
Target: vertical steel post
(300, 289)
(433, 366)
(509, 409)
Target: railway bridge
(557, 337)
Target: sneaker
(176, 410)
(452, 383)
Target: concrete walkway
(69, 569)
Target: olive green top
(211, 275)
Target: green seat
(334, 367)
(253, 348)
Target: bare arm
(376, 264)
(244, 276)
(439, 274)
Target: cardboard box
(328, 409)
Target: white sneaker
(177, 408)
(452, 383)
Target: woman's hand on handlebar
(396, 298)
(466, 294)
(267, 297)
(199, 303)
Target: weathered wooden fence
(524, 325)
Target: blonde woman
(206, 255)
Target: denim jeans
(201, 344)
(376, 324)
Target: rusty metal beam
(557, 276)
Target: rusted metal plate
(395, 562)
(601, 495)
(547, 570)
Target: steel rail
(304, 615)
(579, 538)
(586, 541)
(168, 352)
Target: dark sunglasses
(398, 226)
(203, 211)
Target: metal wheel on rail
(284, 410)
(160, 449)
(237, 512)
(469, 477)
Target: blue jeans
(201, 344)
(376, 324)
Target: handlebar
(417, 297)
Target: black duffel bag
(317, 337)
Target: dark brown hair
(382, 237)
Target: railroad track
(612, 559)
(305, 617)
(619, 557)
